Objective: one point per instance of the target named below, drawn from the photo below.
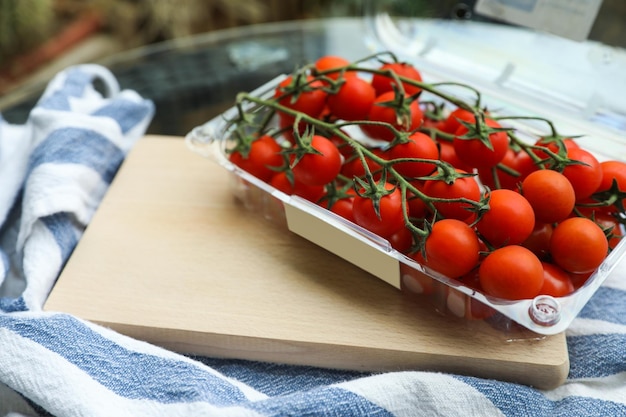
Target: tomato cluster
(455, 189)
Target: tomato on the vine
(461, 187)
(553, 145)
(550, 194)
(321, 167)
(611, 226)
(263, 159)
(556, 282)
(452, 123)
(281, 182)
(389, 218)
(613, 170)
(353, 100)
(384, 83)
(477, 154)
(539, 240)
(448, 154)
(381, 112)
(578, 245)
(420, 146)
(518, 161)
(452, 248)
(585, 177)
(330, 63)
(509, 221)
(310, 101)
(353, 167)
(511, 272)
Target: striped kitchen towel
(55, 169)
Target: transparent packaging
(543, 315)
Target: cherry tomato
(550, 194)
(539, 240)
(553, 146)
(318, 168)
(610, 225)
(448, 154)
(556, 282)
(475, 153)
(578, 245)
(417, 206)
(353, 167)
(451, 124)
(402, 240)
(584, 178)
(341, 207)
(511, 272)
(463, 187)
(353, 100)
(388, 220)
(313, 193)
(310, 102)
(419, 146)
(386, 114)
(519, 161)
(262, 160)
(613, 171)
(331, 62)
(509, 221)
(452, 248)
(384, 83)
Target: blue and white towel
(55, 169)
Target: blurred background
(39, 38)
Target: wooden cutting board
(171, 258)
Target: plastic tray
(543, 315)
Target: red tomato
(318, 168)
(553, 146)
(613, 171)
(578, 245)
(332, 62)
(402, 240)
(463, 187)
(448, 154)
(419, 146)
(509, 221)
(389, 218)
(353, 167)
(341, 207)
(386, 114)
(518, 161)
(353, 100)
(475, 153)
(610, 225)
(417, 206)
(310, 101)
(384, 83)
(313, 193)
(539, 240)
(511, 272)
(451, 124)
(584, 178)
(556, 282)
(452, 248)
(550, 194)
(262, 160)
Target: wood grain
(171, 258)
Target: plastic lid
(579, 80)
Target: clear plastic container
(544, 315)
